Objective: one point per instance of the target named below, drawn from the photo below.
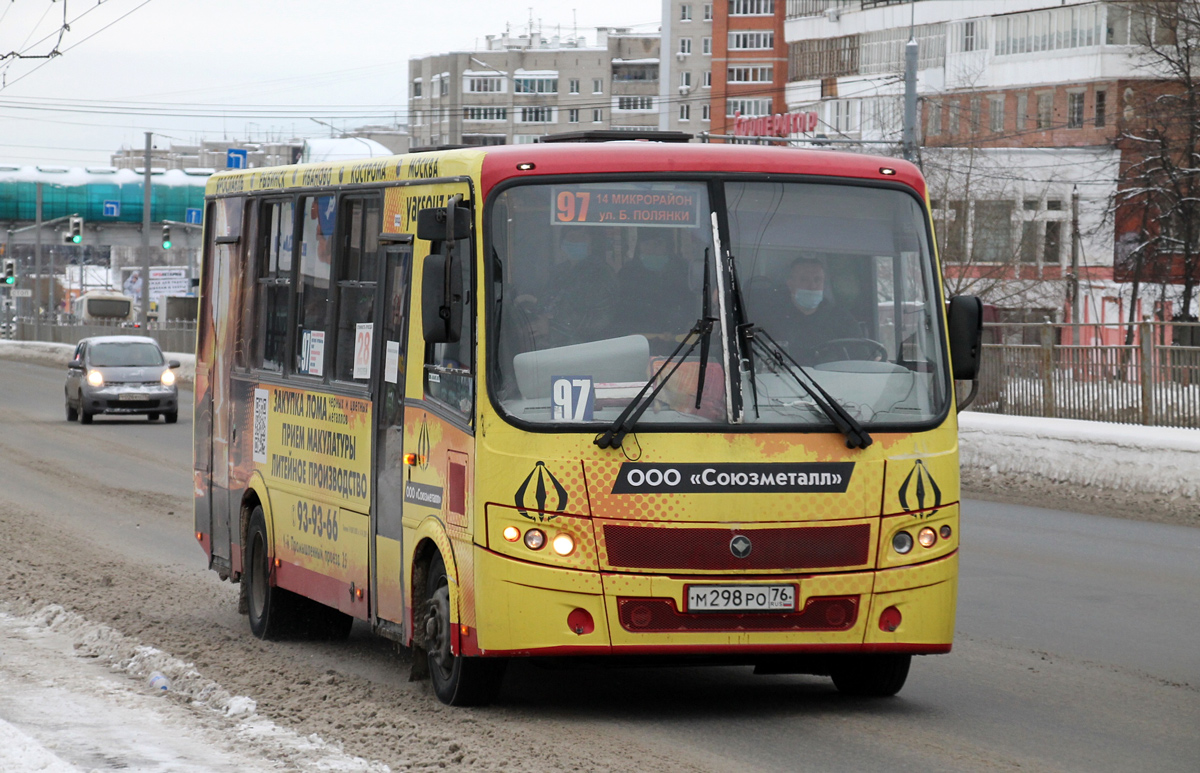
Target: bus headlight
(512, 533)
(95, 379)
(902, 542)
(535, 539)
(563, 544)
(927, 537)
(168, 377)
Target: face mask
(575, 251)
(808, 299)
(655, 261)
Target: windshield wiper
(856, 436)
(612, 437)
(705, 313)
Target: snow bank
(1157, 461)
(44, 353)
(19, 751)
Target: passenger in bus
(809, 318)
(655, 299)
(578, 302)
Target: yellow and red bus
(674, 401)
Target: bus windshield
(598, 283)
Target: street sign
(112, 208)
(22, 292)
(195, 216)
(235, 158)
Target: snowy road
(1075, 650)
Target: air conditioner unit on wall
(833, 14)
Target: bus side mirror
(965, 322)
(441, 299)
(432, 223)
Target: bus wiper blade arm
(615, 434)
(856, 436)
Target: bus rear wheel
(272, 609)
(457, 680)
(871, 676)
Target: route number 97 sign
(625, 205)
(572, 398)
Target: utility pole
(1075, 264)
(146, 202)
(37, 282)
(909, 141)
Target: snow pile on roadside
(1157, 461)
(123, 653)
(18, 751)
(45, 353)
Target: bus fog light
(535, 539)
(945, 532)
(580, 621)
(902, 542)
(890, 620)
(512, 533)
(563, 544)
(95, 379)
(927, 537)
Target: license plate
(741, 598)
(133, 396)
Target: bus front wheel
(272, 609)
(872, 676)
(457, 681)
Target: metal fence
(1094, 372)
(172, 336)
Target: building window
(536, 115)
(685, 112)
(540, 85)
(640, 104)
(1029, 233)
(705, 112)
(976, 115)
(597, 85)
(933, 118)
(971, 40)
(486, 113)
(953, 117)
(416, 88)
(573, 85)
(573, 115)
(996, 114)
(748, 108)
(1101, 106)
(685, 45)
(751, 7)
(1075, 110)
(761, 74)
(992, 234)
(706, 46)
(1045, 110)
(708, 79)
(708, 8)
(1052, 244)
(1022, 111)
(1058, 28)
(487, 84)
(685, 12)
(443, 86)
(597, 115)
(758, 40)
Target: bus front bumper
(526, 609)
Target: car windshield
(841, 278)
(123, 355)
(596, 284)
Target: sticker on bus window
(572, 398)
(628, 206)
(391, 363)
(316, 352)
(362, 349)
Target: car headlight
(95, 378)
(168, 377)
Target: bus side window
(449, 368)
(275, 222)
(318, 215)
(357, 266)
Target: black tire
(171, 418)
(84, 416)
(272, 609)
(871, 676)
(72, 414)
(152, 417)
(457, 681)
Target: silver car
(121, 375)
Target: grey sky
(325, 60)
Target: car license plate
(132, 396)
(741, 598)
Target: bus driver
(809, 318)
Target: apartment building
(515, 89)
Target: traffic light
(10, 272)
(166, 242)
(76, 229)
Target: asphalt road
(1077, 646)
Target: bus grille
(830, 613)
(796, 548)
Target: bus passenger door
(386, 528)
